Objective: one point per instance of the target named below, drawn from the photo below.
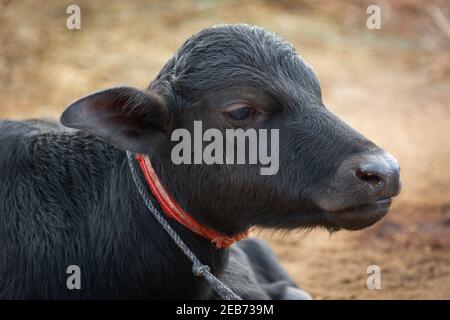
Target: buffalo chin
(360, 217)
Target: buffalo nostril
(369, 177)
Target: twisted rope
(198, 268)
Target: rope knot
(200, 270)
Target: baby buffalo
(68, 198)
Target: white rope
(198, 269)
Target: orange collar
(173, 210)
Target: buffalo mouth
(359, 217)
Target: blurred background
(392, 84)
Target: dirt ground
(393, 85)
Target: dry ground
(393, 85)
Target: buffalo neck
(158, 249)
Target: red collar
(173, 210)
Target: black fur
(68, 198)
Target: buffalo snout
(361, 191)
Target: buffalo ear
(127, 117)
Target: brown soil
(390, 84)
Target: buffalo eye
(241, 113)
